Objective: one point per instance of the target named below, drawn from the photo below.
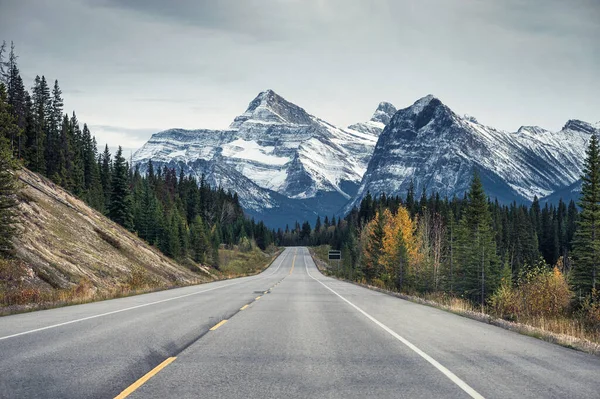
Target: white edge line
(142, 305)
(453, 377)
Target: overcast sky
(131, 68)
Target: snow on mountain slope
(274, 151)
(438, 150)
(373, 127)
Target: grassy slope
(70, 253)
(237, 263)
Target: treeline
(428, 243)
(183, 217)
(470, 247)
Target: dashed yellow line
(257, 298)
(244, 307)
(293, 262)
(219, 324)
(130, 389)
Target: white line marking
(144, 304)
(453, 377)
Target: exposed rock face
(287, 165)
(438, 151)
(284, 163)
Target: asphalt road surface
(288, 332)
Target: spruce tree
(121, 208)
(8, 180)
(53, 135)
(586, 251)
(105, 166)
(3, 77)
(199, 242)
(476, 249)
(76, 166)
(41, 112)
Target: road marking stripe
(257, 298)
(294, 261)
(243, 307)
(219, 324)
(453, 377)
(252, 278)
(129, 390)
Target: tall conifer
(586, 252)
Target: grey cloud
(259, 19)
(198, 63)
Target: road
(288, 332)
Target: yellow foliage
(540, 293)
(399, 235)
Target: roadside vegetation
(245, 259)
(57, 194)
(531, 269)
(541, 306)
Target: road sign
(335, 255)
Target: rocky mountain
(284, 163)
(382, 116)
(436, 149)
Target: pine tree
(476, 252)
(76, 167)
(53, 135)
(105, 166)
(62, 167)
(3, 77)
(586, 251)
(41, 112)
(8, 183)
(17, 99)
(121, 208)
(199, 243)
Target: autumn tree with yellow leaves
(400, 247)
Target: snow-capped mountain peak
(384, 113)
(532, 130)
(428, 101)
(270, 107)
(430, 146)
(276, 156)
(374, 126)
(580, 126)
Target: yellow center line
(244, 307)
(219, 324)
(293, 262)
(257, 298)
(129, 390)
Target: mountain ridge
(276, 156)
(288, 165)
(430, 146)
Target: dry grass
(236, 263)
(18, 293)
(69, 253)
